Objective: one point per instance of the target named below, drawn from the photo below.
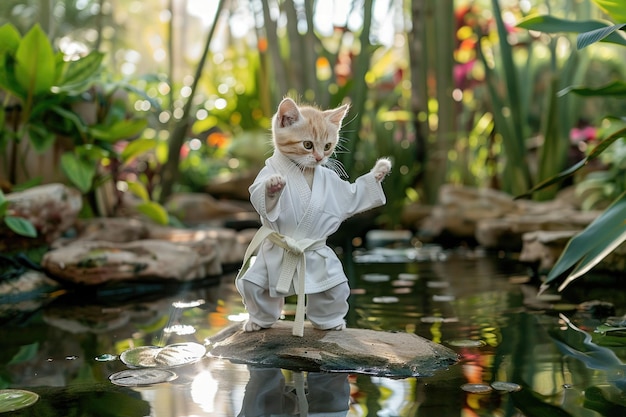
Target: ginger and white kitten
(309, 136)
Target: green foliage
(607, 231)
(49, 90)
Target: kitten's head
(306, 135)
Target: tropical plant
(49, 99)
(608, 231)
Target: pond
(521, 355)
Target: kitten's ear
(336, 116)
(288, 113)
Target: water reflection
(504, 333)
(306, 394)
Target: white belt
(293, 259)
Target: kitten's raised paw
(381, 168)
(274, 185)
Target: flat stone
(371, 352)
(97, 262)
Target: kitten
(309, 137)
(302, 200)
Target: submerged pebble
(385, 300)
(375, 277)
(477, 388)
(466, 343)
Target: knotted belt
(293, 259)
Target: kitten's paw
(250, 326)
(381, 168)
(274, 185)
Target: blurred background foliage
(454, 91)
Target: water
(544, 350)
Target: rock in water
(371, 352)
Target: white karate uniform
(303, 214)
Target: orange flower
(216, 139)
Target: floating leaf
(466, 343)
(505, 386)
(142, 377)
(477, 388)
(16, 399)
(166, 357)
(140, 357)
(180, 354)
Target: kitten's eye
(307, 144)
(328, 146)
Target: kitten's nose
(317, 156)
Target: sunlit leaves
(588, 38)
(614, 8)
(551, 24)
(589, 247)
(78, 72)
(122, 129)
(154, 211)
(79, 171)
(35, 62)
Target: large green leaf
(589, 247)
(9, 39)
(588, 38)
(35, 64)
(612, 89)
(78, 73)
(21, 226)
(79, 171)
(614, 8)
(123, 129)
(154, 211)
(138, 189)
(551, 24)
(138, 147)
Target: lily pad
(477, 388)
(466, 343)
(180, 354)
(505, 386)
(140, 357)
(16, 399)
(163, 357)
(142, 377)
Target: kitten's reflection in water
(311, 394)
